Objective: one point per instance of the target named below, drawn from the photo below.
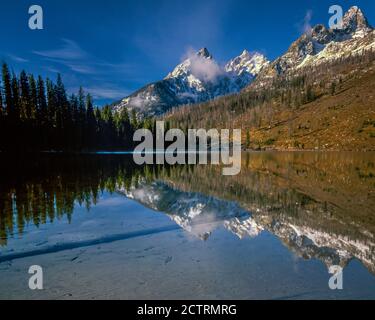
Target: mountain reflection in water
(320, 205)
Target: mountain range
(319, 95)
(321, 45)
(200, 78)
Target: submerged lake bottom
(101, 227)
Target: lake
(103, 228)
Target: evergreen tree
(61, 103)
(1, 101)
(33, 97)
(124, 128)
(41, 102)
(73, 101)
(15, 107)
(25, 103)
(91, 122)
(2, 124)
(134, 121)
(7, 88)
(51, 104)
(248, 140)
(81, 122)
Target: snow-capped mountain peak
(355, 21)
(321, 45)
(247, 62)
(198, 78)
(199, 65)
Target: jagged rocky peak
(354, 23)
(321, 44)
(204, 53)
(354, 20)
(245, 55)
(321, 34)
(251, 63)
(185, 68)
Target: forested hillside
(329, 106)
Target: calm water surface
(104, 228)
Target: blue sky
(114, 47)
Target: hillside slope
(344, 120)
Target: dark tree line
(38, 115)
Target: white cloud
(105, 92)
(72, 56)
(202, 68)
(307, 22)
(81, 68)
(70, 50)
(17, 58)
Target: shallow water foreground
(102, 228)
